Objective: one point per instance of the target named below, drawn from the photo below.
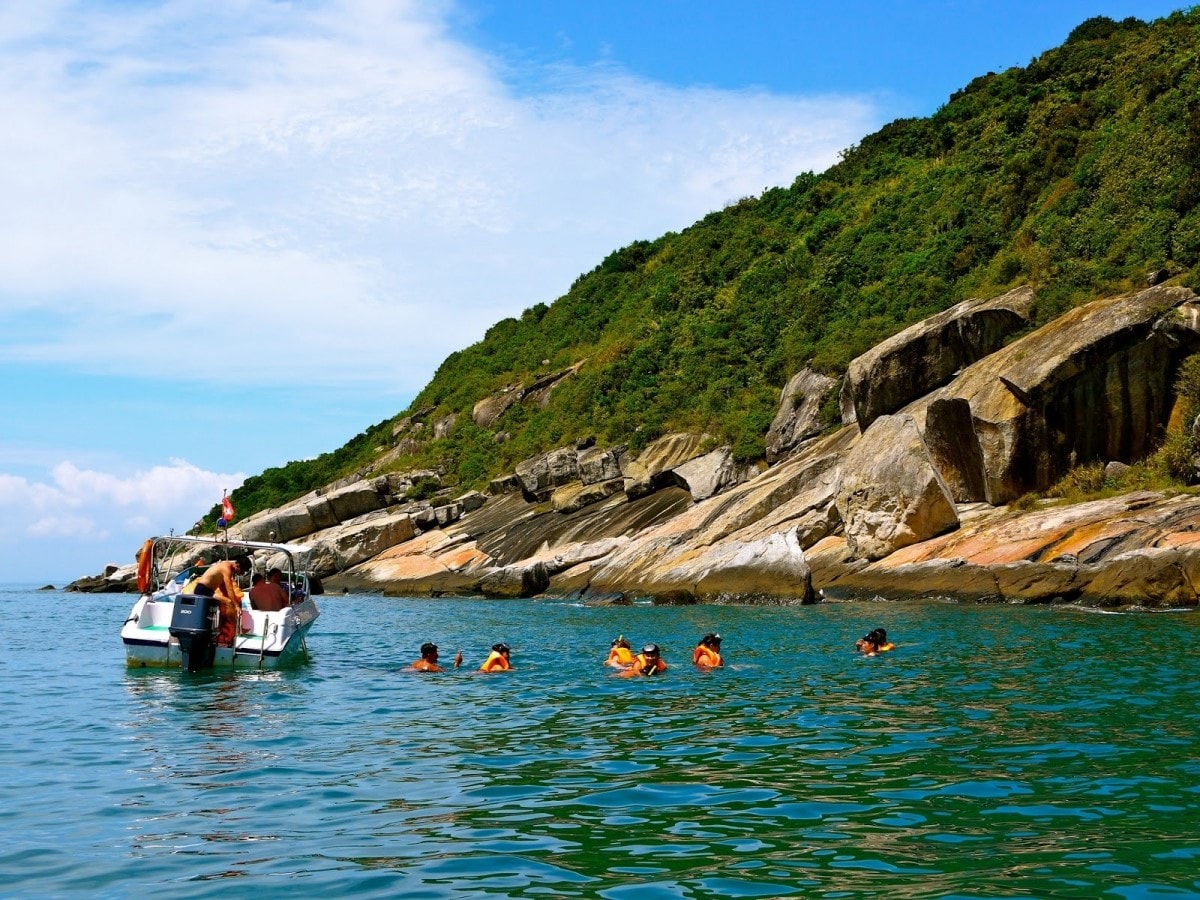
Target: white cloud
(339, 175)
(84, 504)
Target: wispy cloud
(341, 175)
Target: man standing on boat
(218, 581)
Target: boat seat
(156, 614)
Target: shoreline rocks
(897, 502)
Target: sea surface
(999, 751)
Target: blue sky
(237, 234)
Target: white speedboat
(168, 627)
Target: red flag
(227, 510)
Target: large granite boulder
(1095, 384)
(709, 474)
(575, 496)
(488, 411)
(287, 523)
(471, 501)
(890, 495)
(954, 448)
(1156, 578)
(359, 498)
(926, 355)
(433, 563)
(351, 543)
(446, 513)
(598, 464)
(505, 484)
(1140, 549)
(650, 470)
(317, 511)
(515, 581)
(796, 495)
(771, 570)
(665, 565)
(542, 474)
(799, 416)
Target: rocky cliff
(944, 426)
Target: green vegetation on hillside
(1078, 173)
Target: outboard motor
(194, 622)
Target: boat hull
(275, 639)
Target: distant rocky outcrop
(488, 411)
(1141, 549)
(650, 469)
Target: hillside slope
(1077, 174)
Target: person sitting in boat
(275, 577)
(264, 595)
(498, 660)
(707, 654)
(429, 659)
(873, 642)
(267, 594)
(219, 581)
(620, 655)
(648, 662)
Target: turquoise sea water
(998, 752)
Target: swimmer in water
(874, 642)
(619, 656)
(429, 659)
(648, 662)
(707, 654)
(498, 659)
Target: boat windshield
(179, 558)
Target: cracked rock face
(1096, 383)
(890, 495)
(924, 356)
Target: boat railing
(176, 558)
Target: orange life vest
(706, 656)
(642, 661)
(496, 662)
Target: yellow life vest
(621, 656)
